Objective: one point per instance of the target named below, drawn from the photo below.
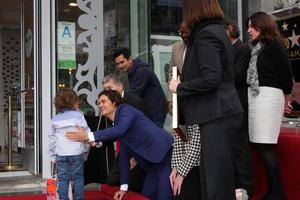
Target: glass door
(29, 89)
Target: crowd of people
(230, 94)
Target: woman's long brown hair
(264, 23)
(195, 11)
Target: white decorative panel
(90, 74)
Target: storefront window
(125, 25)
(78, 49)
(68, 56)
(116, 29)
(230, 9)
(165, 17)
(165, 20)
(87, 33)
(68, 53)
(139, 29)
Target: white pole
(174, 101)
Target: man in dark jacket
(242, 157)
(144, 84)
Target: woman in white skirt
(270, 78)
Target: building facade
(67, 43)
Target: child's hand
(92, 144)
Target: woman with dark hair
(140, 138)
(270, 78)
(209, 103)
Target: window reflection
(116, 30)
(230, 9)
(69, 52)
(165, 17)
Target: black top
(274, 68)
(242, 54)
(207, 91)
(144, 83)
(136, 102)
(99, 160)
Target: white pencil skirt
(265, 115)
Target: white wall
(267, 5)
(47, 66)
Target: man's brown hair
(65, 99)
(232, 28)
(113, 96)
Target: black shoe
(274, 196)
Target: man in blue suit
(137, 175)
(150, 145)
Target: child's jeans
(70, 168)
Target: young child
(68, 155)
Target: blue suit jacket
(138, 136)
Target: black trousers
(217, 158)
(99, 162)
(136, 179)
(242, 158)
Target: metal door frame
(35, 169)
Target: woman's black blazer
(207, 91)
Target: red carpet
(89, 195)
(106, 193)
(288, 151)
